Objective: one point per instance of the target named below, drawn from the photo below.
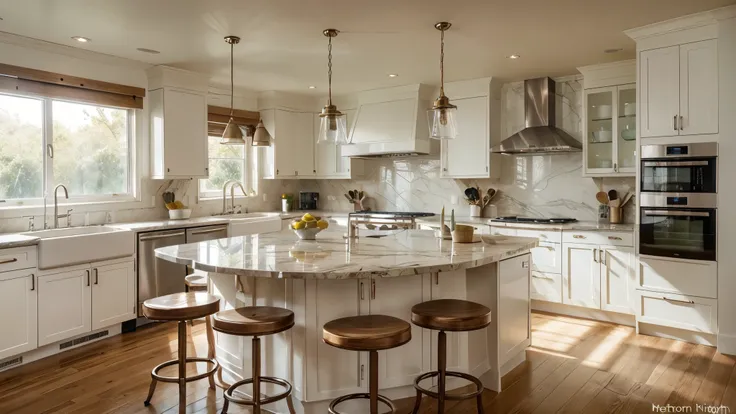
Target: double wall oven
(678, 201)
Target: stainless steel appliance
(534, 220)
(383, 220)
(308, 200)
(678, 230)
(679, 170)
(158, 277)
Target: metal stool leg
(441, 367)
(257, 375)
(373, 377)
(417, 403)
(182, 367)
(211, 346)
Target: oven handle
(676, 213)
(674, 163)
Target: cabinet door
(699, 88)
(333, 372)
(303, 144)
(394, 297)
(113, 294)
(467, 156)
(284, 148)
(514, 323)
(64, 305)
(185, 133)
(600, 128)
(659, 94)
(617, 279)
(581, 275)
(625, 138)
(18, 299)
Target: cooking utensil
(491, 193)
(628, 197)
(352, 194)
(348, 198)
(602, 197)
(612, 195)
(361, 196)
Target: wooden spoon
(601, 197)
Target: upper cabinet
(177, 102)
(469, 154)
(679, 90)
(609, 126)
(291, 154)
(328, 160)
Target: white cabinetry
(468, 155)
(328, 160)
(178, 117)
(679, 90)
(64, 305)
(514, 324)
(291, 154)
(18, 305)
(581, 276)
(617, 269)
(113, 294)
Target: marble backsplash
(543, 185)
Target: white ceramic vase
(474, 211)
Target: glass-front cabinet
(609, 144)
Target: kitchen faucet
(232, 193)
(224, 195)
(56, 206)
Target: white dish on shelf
(603, 112)
(630, 108)
(602, 136)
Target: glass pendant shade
(332, 129)
(232, 135)
(261, 138)
(442, 123)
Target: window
(45, 142)
(229, 162)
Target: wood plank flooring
(573, 366)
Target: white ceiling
(283, 47)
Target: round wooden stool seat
(196, 281)
(181, 306)
(451, 315)
(367, 332)
(253, 320)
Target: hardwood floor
(574, 366)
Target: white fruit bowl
(307, 234)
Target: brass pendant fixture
(232, 135)
(442, 117)
(261, 137)
(332, 128)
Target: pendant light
(232, 135)
(442, 116)
(332, 128)
(261, 137)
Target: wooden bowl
(462, 234)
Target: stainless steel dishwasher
(157, 277)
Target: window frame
(250, 174)
(48, 184)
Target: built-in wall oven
(678, 201)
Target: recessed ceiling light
(393, 75)
(513, 56)
(312, 87)
(81, 39)
(145, 50)
(613, 50)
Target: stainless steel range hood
(540, 136)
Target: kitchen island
(334, 277)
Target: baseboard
(727, 344)
(586, 313)
(678, 334)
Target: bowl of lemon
(307, 227)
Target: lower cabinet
(617, 279)
(64, 305)
(18, 305)
(76, 300)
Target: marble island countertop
(331, 256)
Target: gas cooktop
(534, 220)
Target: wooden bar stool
(255, 321)
(182, 307)
(370, 333)
(455, 316)
(195, 282)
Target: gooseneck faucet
(224, 195)
(232, 193)
(56, 203)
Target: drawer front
(605, 238)
(547, 286)
(504, 231)
(17, 258)
(552, 236)
(547, 258)
(678, 311)
(680, 277)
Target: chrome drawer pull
(542, 277)
(689, 302)
(525, 264)
(13, 260)
(578, 236)
(614, 238)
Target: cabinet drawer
(680, 277)
(678, 311)
(547, 258)
(17, 258)
(552, 236)
(599, 237)
(547, 286)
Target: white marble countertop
(434, 221)
(8, 241)
(579, 226)
(283, 255)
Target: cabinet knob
(296, 172)
(277, 172)
(681, 123)
(168, 170)
(525, 264)
(314, 171)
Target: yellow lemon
(322, 224)
(308, 217)
(311, 224)
(298, 225)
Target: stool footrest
(435, 395)
(356, 396)
(228, 394)
(162, 378)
